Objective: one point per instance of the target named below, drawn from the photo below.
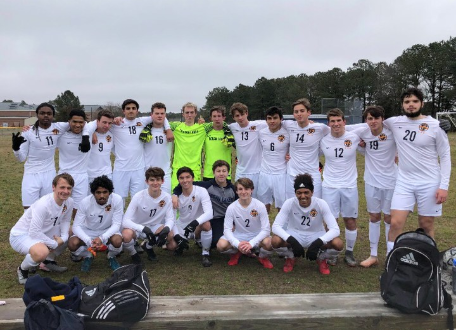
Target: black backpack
(411, 281)
(123, 297)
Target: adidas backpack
(124, 297)
(411, 281)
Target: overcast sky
(177, 51)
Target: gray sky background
(177, 51)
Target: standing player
(301, 224)
(150, 215)
(41, 232)
(340, 189)
(97, 223)
(247, 227)
(275, 141)
(424, 166)
(195, 211)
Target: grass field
(185, 275)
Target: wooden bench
(278, 312)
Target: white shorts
(305, 239)
(36, 185)
(95, 233)
(378, 199)
(406, 195)
(290, 192)
(166, 186)
(243, 237)
(80, 189)
(343, 201)
(23, 243)
(140, 234)
(271, 186)
(125, 181)
(254, 178)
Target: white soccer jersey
(95, 220)
(340, 160)
(248, 146)
(380, 169)
(304, 148)
(100, 155)
(144, 210)
(246, 220)
(39, 149)
(71, 158)
(44, 219)
(275, 148)
(196, 206)
(420, 144)
(308, 220)
(158, 152)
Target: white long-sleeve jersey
(95, 220)
(100, 155)
(274, 149)
(308, 220)
(252, 219)
(158, 152)
(44, 219)
(196, 206)
(71, 159)
(144, 210)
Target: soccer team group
(159, 163)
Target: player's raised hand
(17, 141)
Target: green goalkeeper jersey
(215, 149)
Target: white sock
(282, 251)
(387, 230)
(264, 253)
(350, 239)
(113, 251)
(28, 262)
(82, 252)
(389, 247)
(374, 237)
(130, 247)
(206, 241)
(231, 251)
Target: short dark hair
(412, 91)
(303, 181)
(185, 169)
(105, 113)
(274, 111)
(103, 182)
(155, 172)
(218, 108)
(45, 104)
(375, 111)
(245, 182)
(65, 176)
(128, 101)
(238, 106)
(157, 105)
(305, 102)
(336, 112)
(77, 112)
(220, 163)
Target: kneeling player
(97, 224)
(150, 216)
(299, 225)
(42, 231)
(246, 227)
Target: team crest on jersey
(254, 213)
(193, 198)
(382, 137)
(281, 138)
(313, 213)
(252, 128)
(64, 208)
(162, 203)
(424, 127)
(55, 131)
(310, 131)
(108, 138)
(348, 143)
(138, 123)
(108, 208)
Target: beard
(413, 114)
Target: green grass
(185, 275)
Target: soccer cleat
(266, 262)
(178, 252)
(150, 252)
(86, 264)
(350, 259)
(136, 259)
(323, 267)
(51, 266)
(234, 258)
(332, 261)
(289, 264)
(371, 261)
(22, 275)
(75, 258)
(113, 263)
(206, 262)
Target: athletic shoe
(86, 264)
(113, 263)
(206, 262)
(234, 258)
(350, 259)
(150, 252)
(371, 261)
(178, 252)
(75, 258)
(33, 269)
(266, 262)
(22, 275)
(323, 267)
(136, 259)
(138, 248)
(289, 264)
(51, 266)
(332, 261)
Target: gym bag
(123, 297)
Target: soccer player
(97, 224)
(150, 216)
(195, 211)
(340, 189)
(246, 227)
(157, 150)
(275, 142)
(301, 224)
(380, 174)
(424, 166)
(42, 231)
(37, 148)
